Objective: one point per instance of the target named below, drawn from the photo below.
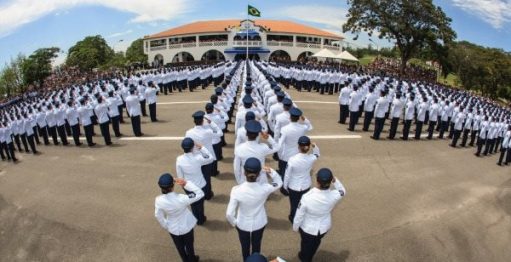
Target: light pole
(115, 44)
(377, 47)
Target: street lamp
(377, 47)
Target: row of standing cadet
(466, 118)
(246, 206)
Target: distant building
(227, 40)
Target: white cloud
(121, 46)
(330, 17)
(497, 13)
(16, 13)
(114, 35)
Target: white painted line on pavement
(177, 103)
(179, 138)
(316, 102)
(336, 137)
(153, 138)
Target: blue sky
(26, 25)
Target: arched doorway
(158, 60)
(239, 57)
(304, 56)
(280, 55)
(183, 57)
(213, 55)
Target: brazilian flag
(253, 11)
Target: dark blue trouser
(250, 242)
(309, 245)
(294, 200)
(184, 245)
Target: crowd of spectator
(392, 67)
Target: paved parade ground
(405, 201)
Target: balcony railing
(247, 43)
(156, 48)
(213, 43)
(278, 43)
(308, 45)
(331, 47)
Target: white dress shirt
(246, 209)
(252, 149)
(101, 111)
(313, 215)
(172, 212)
(205, 135)
(298, 171)
(133, 105)
(188, 166)
(289, 135)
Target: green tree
(487, 70)
(135, 52)
(38, 65)
(412, 24)
(118, 61)
(11, 77)
(89, 53)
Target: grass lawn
(366, 60)
(451, 80)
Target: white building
(227, 40)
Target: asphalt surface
(405, 201)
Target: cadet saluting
(246, 209)
(171, 211)
(313, 218)
(188, 166)
(297, 180)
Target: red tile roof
(218, 26)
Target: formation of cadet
(467, 120)
(267, 122)
(59, 113)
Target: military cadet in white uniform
(150, 94)
(101, 112)
(434, 110)
(204, 133)
(252, 148)
(188, 167)
(289, 136)
(133, 107)
(297, 180)
(172, 212)
(313, 218)
(409, 114)
(382, 105)
(85, 121)
(422, 109)
(459, 120)
(42, 125)
(246, 210)
(370, 103)
(344, 99)
(483, 134)
(354, 106)
(72, 118)
(113, 112)
(60, 117)
(505, 147)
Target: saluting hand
(267, 170)
(181, 182)
(198, 145)
(265, 135)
